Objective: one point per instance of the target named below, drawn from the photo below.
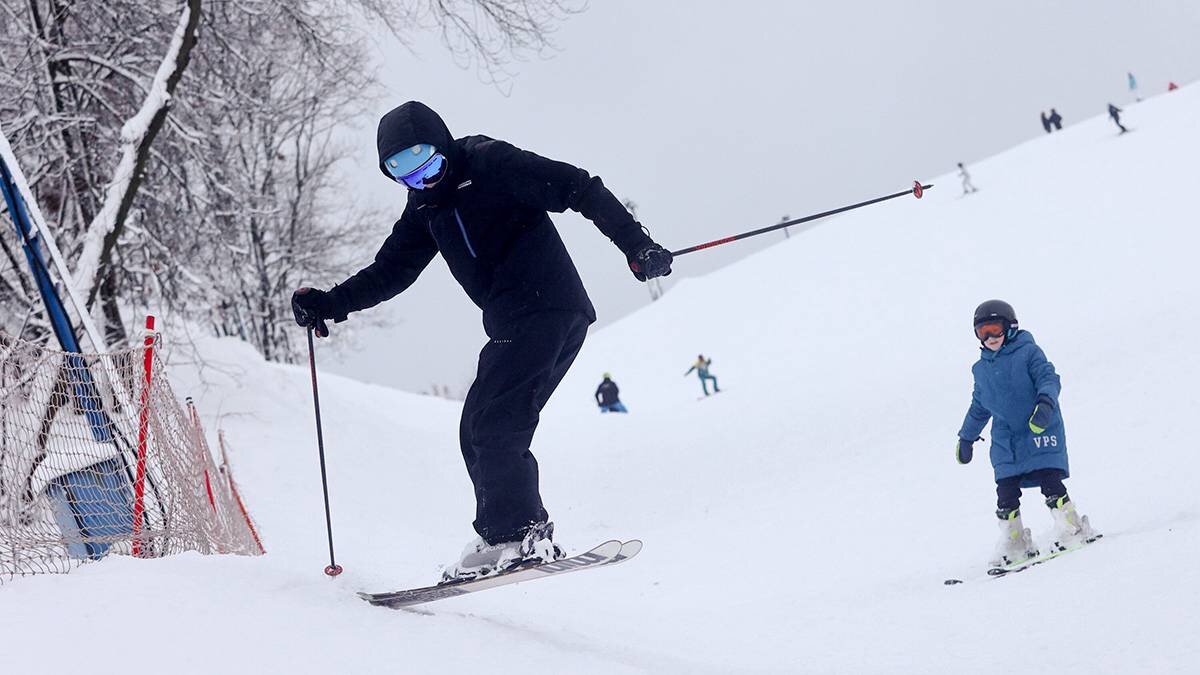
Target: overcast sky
(716, 120)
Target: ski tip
(952, 582)
(634, 545)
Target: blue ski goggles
(418, 167)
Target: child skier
(608, 396)
(701, 367)
(483, 204)
(1017, 388)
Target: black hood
(413, 123)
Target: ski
(608, 553)
(1021, 567)
(996, 572)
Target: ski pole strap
(917, 190)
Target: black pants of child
(518, 371)
(1008, 490)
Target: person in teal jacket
(1017, 389)
(701, 367)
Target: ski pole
(332, 569)
(916, 190)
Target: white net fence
(98, 457)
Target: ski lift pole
(332, 569)
(917, 190)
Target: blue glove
(963, 451)
(1043, 414)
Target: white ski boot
(481, 559)
(1016, 542)
(1070, 528)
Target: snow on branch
(137, 135)
(39, 223)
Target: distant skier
(968, 188)
(608, 396)
(1045, 122)
(1055, 119)
(1133, 87)
(1017, 389)
(1171, 86)
(1115, 113)
(701, 367)
(483, 204)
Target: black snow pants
(518, 371)
(1008, 490)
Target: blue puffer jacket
(1007, 386)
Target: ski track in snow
(802, 522)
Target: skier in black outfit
(1115, 113)
(1055, 119)
(1045, 122)
(483, 203)
(608, 396)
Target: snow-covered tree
(182, 151)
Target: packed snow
(803, 520)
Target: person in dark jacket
(1017, 388)
(1055, 119)
(1115, 113)
(483, 204)
(1045, 122)
(608, 396)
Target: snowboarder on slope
(701, 368)
(483, 203)
(1115, 113)
(608, 396)
(966, 180)
(1016, 387)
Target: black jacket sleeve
(404, 255)
(557, 186)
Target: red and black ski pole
(916, 190)
(332, 569)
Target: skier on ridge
(1115, 113)
(968, 186)
(483, 203)
(1016, 387)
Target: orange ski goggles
(990, 329)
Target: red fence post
(139, 483)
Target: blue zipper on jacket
(463, 228)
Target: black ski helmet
(993, 310)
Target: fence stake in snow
(917, 190)
(139, 483)
(332, 569)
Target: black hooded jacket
(607, 393)
(488, 218)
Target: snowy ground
(802, 521)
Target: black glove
(1043, 414)
(311, 307)
(963, 451)
(650, 261)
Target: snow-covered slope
(802, 521)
